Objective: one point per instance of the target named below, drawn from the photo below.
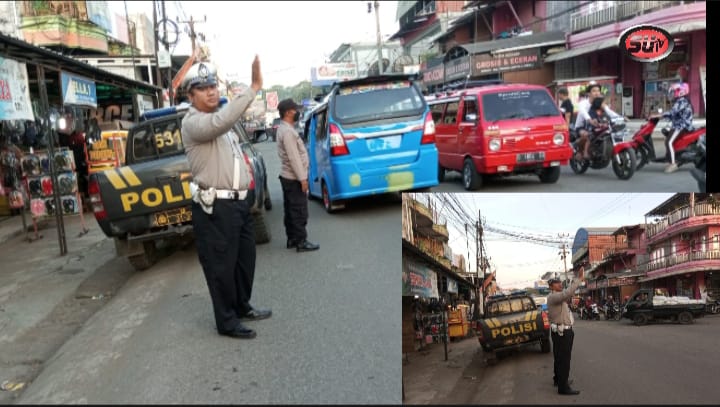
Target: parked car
(499, 129)
(272, 130)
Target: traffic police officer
(222, 175)
(561, 323)
(293, 177)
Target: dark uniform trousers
(562, 350)
(295, 203)
(225, 243)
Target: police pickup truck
(512, 321)
(148, 199)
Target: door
(468, 118)
(451, 131)
(318, 151)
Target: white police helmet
(200, 74)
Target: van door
(450, 124)
(468, 117)
(317, 145)
(444, 138)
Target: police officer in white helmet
(222, 176)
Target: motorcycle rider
(584, 118)
(681, 116)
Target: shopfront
(433, 75)
(48, 101)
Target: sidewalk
(429, 379)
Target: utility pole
(193, 35)
(480, 261)
(167, 48)
(158, 78)
(379, 38)
(563, 254)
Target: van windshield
(521, 104)
(377, 101)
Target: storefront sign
(452, 286)
(646, 43)
(457, 69)
(434, 75)
(615, 282)
(108, 113)
(14, 91)
(78, 91)
(419, 280)
(520, 60)
(592, 285)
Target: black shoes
(570, 381)
(291, 244)
(569, 392)
(306, 246)
(240, 332)
(257, 314)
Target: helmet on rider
(677, 90)
(200, 74)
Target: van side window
(143, 143)
(469, 108)
(321, 126)
(451, 113)
(437, 111)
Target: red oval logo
(646, 43)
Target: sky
(520, 264)
(289, 36)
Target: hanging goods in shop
(50, 206)
(47, 185)
(45, 164)
(35, 188)
(69, 204)
(37, 208)
(66, 184)
(63, 161)
(31, 165)
(16, 200)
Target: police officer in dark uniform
(222, 175)
(561, 326)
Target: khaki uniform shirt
(558, 310)
(292, 152)
(211, 146)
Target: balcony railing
(620, 10)
(701, 209)
(679, 259)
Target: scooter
(699, 172)
(643, 144)
(606, 145)
(613, 312)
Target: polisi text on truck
(514, 329)
(152, 197)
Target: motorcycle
(606, 144)
(613, 312)
(591, 313)
(699, 171)
(713, 306)
(686, 142)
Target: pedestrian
(293, 177)
(222, 175)
(561, 326)
(566, 105)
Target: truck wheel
(550, 175)
(262, 232)
(545, 344)
(441, 173)
(685, 318)
(145, 260)
(640, 319)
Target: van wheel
(640, 319)
(262, 232)
(329, 205)
(471, 179)
(441, 173)
(550, 175)
(145, 260)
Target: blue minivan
(370, 136)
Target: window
(704, 244)
(143, 143)
(364, 102)
(522, 104)
(469, 107)
(321, 126)
(451, 113)
(437, 112)
(167, 137)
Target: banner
(434, 75)
(418, 280)
(520, 60)
(78, 91)
(272, 100)
(336, 72)
(457, 69)
(14, 91)
(452, 286)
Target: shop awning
(613, 41)
(511, 44)
(22, 51)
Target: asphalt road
(333, 337)
(612, 363)
(650, 178)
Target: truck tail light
(95, 199)
(428, 136)
(337, 142)
(546, 321)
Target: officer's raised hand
(257, 80)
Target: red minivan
(499, 129)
